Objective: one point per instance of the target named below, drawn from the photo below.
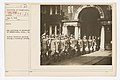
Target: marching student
(85, 45)
(90, 44)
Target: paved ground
(95, 58)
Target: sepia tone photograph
(76, 34)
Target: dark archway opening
(70, 30)
(89, 23)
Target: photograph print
(76, 34)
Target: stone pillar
(45, 28)
(50, 10)
(76, 32)
(55, 30)
(102, 41)
(50, 30)
(64, 32)
(55, 9)
(63, 29)
(60, 9)
(60, 29)
(79, 31)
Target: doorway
(70, 30)
(89, 20)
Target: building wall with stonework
(87, 26)
(106, 9)
(50, 19)
(78, 20)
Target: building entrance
(89, 21)
(70, 30)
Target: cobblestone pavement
(95, 58)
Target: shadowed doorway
(88, 19)
(70, 30)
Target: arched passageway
(89, 22)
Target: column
(76, 32)
(102, 41)
(55, 9)
(65, 30)
(50, 30)
(55, 30)
(60, 28)
(50, 10)
(79, 31)
(60, 9)
(45, 28)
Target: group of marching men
(55, 49)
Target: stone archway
(85, 6)
(102, 39)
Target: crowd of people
(57, 48)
